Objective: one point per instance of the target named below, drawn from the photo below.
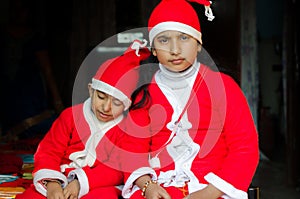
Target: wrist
(51, 181)
(75, 179)
(146, 185)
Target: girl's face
(175, 50)
(104, 106)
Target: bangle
(146, 186)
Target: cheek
(191, 53)
(96, 104)
(93, 107)
(117, 111)
(162, 56)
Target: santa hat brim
(110, 90)
(177, 26)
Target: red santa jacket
(222, 125)
(68, 135)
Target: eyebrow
(162, 36)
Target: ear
(154, 52)
(91, 90)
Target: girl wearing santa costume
(204, 142)
(75, 158)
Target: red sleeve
(51, 149)
(101, 175)
(118, 151)
(106, 170)
(241, 138)
(136, 143)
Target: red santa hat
(177, 15)
(119, 76)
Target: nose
(107, 105)
(175, 47)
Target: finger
(73, 196)
(66, 194)
(70, 197)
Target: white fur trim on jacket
(129, 187)
(87, 157)
(82, 179)
(43, 174)
(230, 191)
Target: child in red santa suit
(76, 159)
(204, 142)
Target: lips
(103, 115)
(177, 61)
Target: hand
(155, 191)
(54, 191)
(209, 192)
(71, 191)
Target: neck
(177, 80)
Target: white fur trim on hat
(171, 25)
(110, 90)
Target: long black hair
(147, 69)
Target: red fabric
(62, 140)
(136, 141)
(30, 193)
(124, 69)
(55, 149)
(176, 193)
(103, 192)
(164, 12)
(73, 134)
(222, 125)
(105, 173)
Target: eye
(117, 102)
(163, 40)
(101, 95)
(184, 37)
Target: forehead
(169, 33)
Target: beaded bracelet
(45, 182)
(146, 186)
